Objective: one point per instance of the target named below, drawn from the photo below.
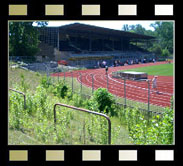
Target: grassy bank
(26, 129)
(34, 124)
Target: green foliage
(15, 111)
(172, 102)
(37, 119)
(60, 89)
(24, 85)
(163, 32)
(125, 27)
(23, 38)
(146, 130)
(92, 105)
(104, 100)
(137, 29)
(165, 53)
(156, 48)
(77, 100)
(46, 82)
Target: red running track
(135, 90)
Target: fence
(23, 94)
(25, 59)
(70, 126)
(131, 93)
(84, 130)
(126, 92)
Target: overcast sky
(107, 24)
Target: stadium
(87, 45)
(61, 104)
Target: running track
(137, 91)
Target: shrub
(155, 130)
(46, 82)
(77, 100)
(104, 100)
(60, 90)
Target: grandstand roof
(91, 29)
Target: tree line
(163, 32)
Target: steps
(46, 51)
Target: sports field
(160, 70)
(136, 91)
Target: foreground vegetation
(35, 124)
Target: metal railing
(142, 95)
(87, 111)
(21, 94)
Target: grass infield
(160, 70)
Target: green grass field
(160, 70)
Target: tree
(165, 53)
(125, 27)
(156, 49)
(139, 29)
(164, 31)
(23, 38)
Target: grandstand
(86, 45)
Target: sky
(117, 25)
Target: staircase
(46, 51)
